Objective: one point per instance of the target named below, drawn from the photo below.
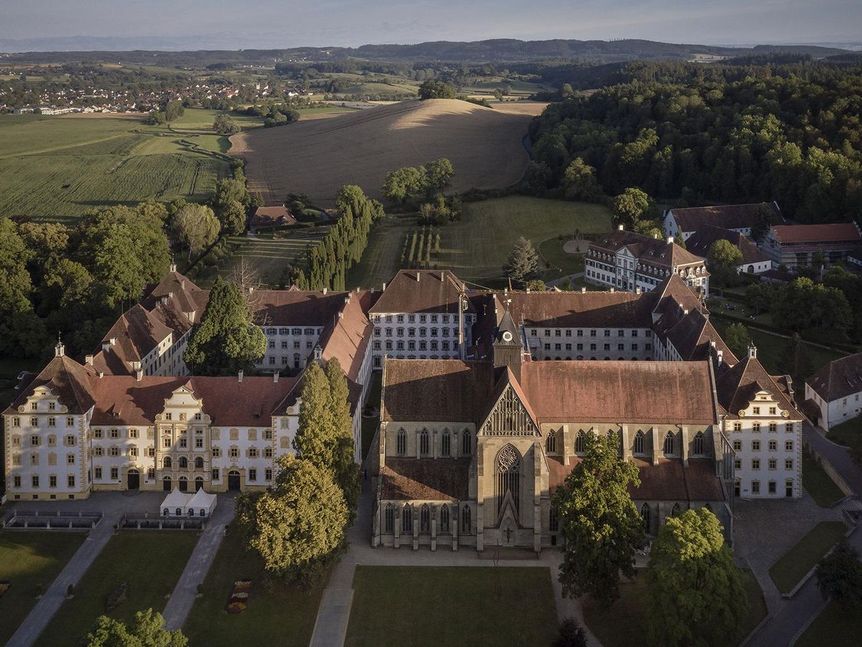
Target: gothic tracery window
(697, 449)
(551, 442)
(466, 443)
(639, 443)
(466, 520)
(444, 519)
(401, 444)
(580, 442)
(425, 519)
(389, 518)
(508, 472)
(645, 516)
(446, 443)
(423, 443)
(407, 520)
(668, 444)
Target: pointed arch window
(407, 520)
(424, 444)
(446, 443)
(507, 467)
(551, 442)
(466, 443)
(669, 444)
(425, 520)
(466, 520)
(401, 442)
(646, 517)
(639, 443)
(580, 442)
(697, 446)
(444, 519)
(389, 518)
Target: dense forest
(730, 133)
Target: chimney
(670, 240)
(59, 349)
(173, 267)
(752, 351)
(239, 376)
(275, 378)
(101, 375)
(340, 314)
(655, 236)
(384, 287)
(612, 290)
(719, 355)
(528, 289)
(620, 228)
(583, 290)
(88, 360)
(417, 276)
(325, 290)
(139, 375)
(637, 289)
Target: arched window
(580, 442)
(697, 448)
(675, 511)
(645, 515)
(184, 462)
(199, 463)
(466, 443)
(203, 512)
(402, 442)
(167, 463)
(184, 484)
(423, 443)
(425, 519)
(553, 521)
(668, 444)
(407, 520)
(191, 512)
(165, 512)
(466, 521)
(551, 442)
(446, 443)
(639, 442)
(199, 483)
(389, 518)
(508, 473)
(444, 518)
(179, 512)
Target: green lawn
(477, 246)
(848, 434)
(28, 560)
(556, 262)
(149, 562)
(612, 631)
(276, 614)
(818, 483)
(834, 627)
(796, 562)
(419, 606)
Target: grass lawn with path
(277, 614)
(835, 627)
(632, 605)
(149, 562)
(848, 434)
(818, 483)
(796, 562)
(449, 606)
(29, 560)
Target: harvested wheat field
(318, 157)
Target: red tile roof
(737, 387)
(728, 216)
(68, 379)
(441, 479)
(421, 291)
(839, 232)
(839, 378)
(703, 238)
(651, 251)
(579, 309)
(295, 307)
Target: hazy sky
(289, 23)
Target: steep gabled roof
(295, 307)
(726, 216)
(421, 291)
(347, 336)
(134, 335)
(737, 386)
(837, 232)
(66, 378)
(703, 238)
(693, 335)
(839, 378)
(580, 309)
(674, 294)
(646, 249)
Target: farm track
(54, 149)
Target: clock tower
(508, 349)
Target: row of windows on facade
(151, 475)
(579, 332)
(71, 459)
(132, 452)
(412, 332)
(594, 347)
(772, 487)
(425, 443)
(290, 331)
(611, 278)
(755, 445)
(426, 514)
(423, 345)
(638, 446)
(757, 426)
(411, 318)
(297, 360)
(52, 481)
(772, 463)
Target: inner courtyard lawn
(796, 562)
(818, 483)
(418, 606)
(277, 614)
(835, 627)
(30, 560)
(149, 562)
(607, 626)
(848, 434)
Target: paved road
(836, 455)
(183, 597)
(41, 614)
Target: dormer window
(34, 406)
(52, 406)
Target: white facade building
(835, 392)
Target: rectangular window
(788, 445)
(737, 445)
(755, 463)
(115, 473)
(737, 426)
(755, 426)
(70, 459)
(97, 473)
(755, 445)
(788, 464)
(215, 474)
(755, 487)
(771, 487)
(268, 474)
(252, 474)
(772, 463)
(34, 480)
(52, 481)
(70, 480)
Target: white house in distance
(754, 261)
(834, 391)
(682, 223)
(625, 260)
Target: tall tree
(630, 206)
(315, 435)
(839, 576)
(147, 631)
(696, 595)
(298, 525)
(579, 181)
(232, 217)
(196, 227)
(600, 522)
(523, 263)
(438, 175)
(20, 329)
(344, 465)
(226, 340)
(737, 339)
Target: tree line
(786, 132)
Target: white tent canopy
(175, 504)
(201, 504)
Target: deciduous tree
(695, 592)
(839, 576)
(630, 206)
(196, 227)
(148, 631)
(579, 181)
(737, 339)
(599, 521)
